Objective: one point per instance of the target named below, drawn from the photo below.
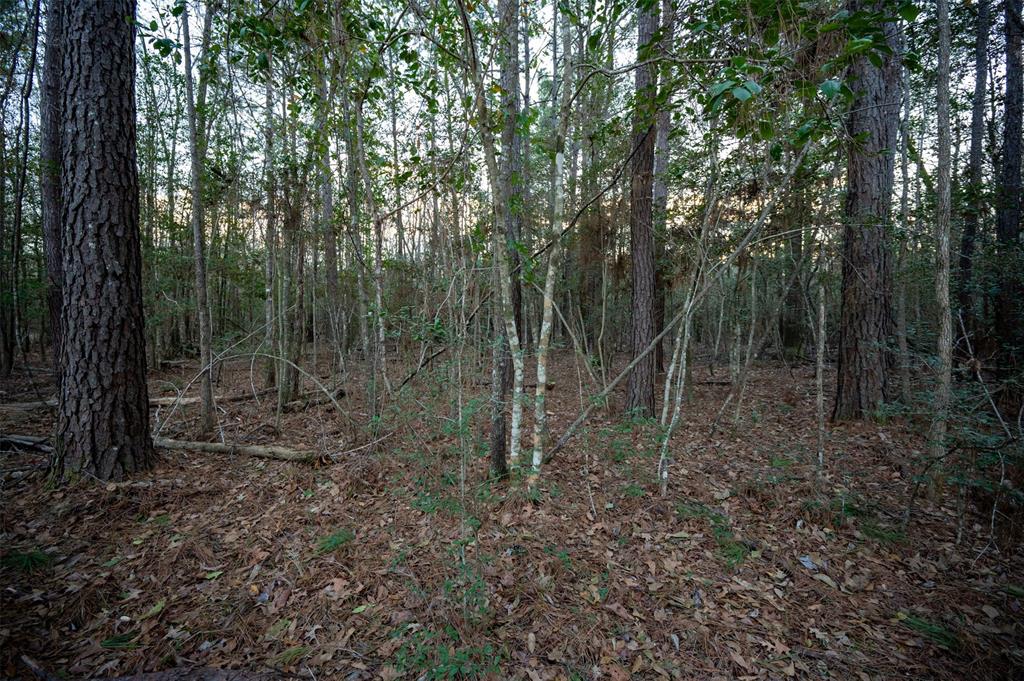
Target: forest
(511, 339)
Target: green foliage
(936, 633)
(292, 655)
(334, 541)
(436, 655)
(121, 641)
(732, 551)
(26, 562)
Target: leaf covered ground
(401, 560)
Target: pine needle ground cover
(390, 563)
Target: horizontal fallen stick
(25, 443)
(27, 407)
(178, 674)
(258, 451)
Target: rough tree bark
(945, 339)
(511, 169)
(640, 389)
(1009, 308)
(975, 202)
(103, 415)
(49, 172)
(866, 318)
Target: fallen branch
(258, 451)
(27, 407)
(25, 443)
(199, 674)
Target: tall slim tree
(511, 169)
(640, 388)
(943, 208)
(975, 200)
(1009, 308)
(866, 317)
(103, 412)
(49, 167)
(196, 106)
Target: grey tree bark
(640, 388)
(866, 317)
(103, 411)
(50, 107)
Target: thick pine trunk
(103, 415)
(866, 318)
(640, 390)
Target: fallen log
(224, 399)
(28, 407)
(314, 399)
(199, 674)
(258, 451)
(177, 674)
(25, 443)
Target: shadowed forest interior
(439, 339)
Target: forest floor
(384, 565)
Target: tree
(945, 339)
(49, 164)
(103, 412)
(975, 200)
(196, 106)
(1009, 308)
(640, 388)
(866, 318)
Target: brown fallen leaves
(214, 561)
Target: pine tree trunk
(943, 208)
(1009, 307)
(640, 389)
(975, 180)
(49, 176)
(866, 321)
(103, 414)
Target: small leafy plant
(334, 541)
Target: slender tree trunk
(499, 195)
(943, 208)
(327, 222)
(975, 201)
(270, 234)
(866, 322)
(660, 190)
(197, 147)
(1009, 308)
(103, 412)
(640, 388)
(557, 219)
(50, 111)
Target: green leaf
(909, 12)
(277, 629)
(741, 93)
(830, 88)
(359, 609)
(155, 610)
(121, 641)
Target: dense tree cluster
(331, 187)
